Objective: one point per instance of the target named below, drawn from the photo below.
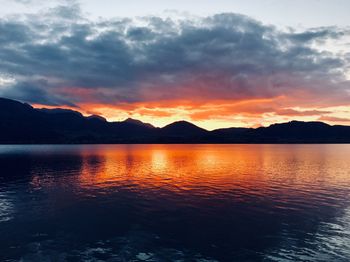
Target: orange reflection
(213, 169)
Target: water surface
(175, 203)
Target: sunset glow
(220, 69)
(222, 114)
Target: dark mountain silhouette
(297, 131)
(60, 111)
(227, 133)
(21, 123)
(183, 129)
(97, 118)
(181, 132)
(138, 122)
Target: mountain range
(20, 123)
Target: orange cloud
(334, 119)
(212, 114)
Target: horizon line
(86, 115)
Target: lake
(175, 203)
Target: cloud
(38, 2)
(23, 1)
(334, 119)
(317, 34)
(292, 112)
(225, 57)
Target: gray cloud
(23, 1)
(317, 34)
(225, 56)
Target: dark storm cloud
(225, 56)
(36, 91)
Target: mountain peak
(183, 128)
(97, 117)
(182, 123)
(137, 122)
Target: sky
(215, 63)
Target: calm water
(175, 203)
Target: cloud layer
(59, 57)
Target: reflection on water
(175, 203)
